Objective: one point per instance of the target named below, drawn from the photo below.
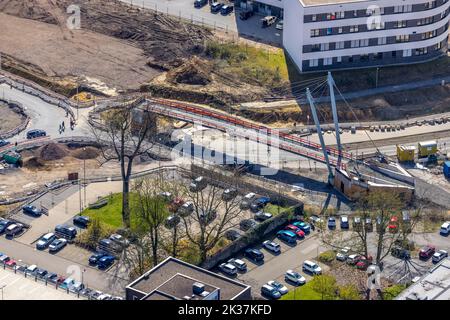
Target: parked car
(344, 222)
(244, 15)
(200, 3)
(105, 262)
(238, 263)
(14, 229)
(226, 9)
(93, 260)
(268, 21)
(426, 252)
(232, 235)
(166, 196)
(270, 292)
(228, 269)
(279, 25)
(175, 205)
(261, 215)
(357, 224)
(295, 230)
(343, 254)
(400, 252)
(45, 241)
(198, 184)
(272, 246)
(31, 270)
(57, 245)
(294, 277)
(66, 232)
(81, 221)
(4, 258)
(393, 224)
(247, 224)
(216, 6)
(51, 277)
(4, 224)
(172, 221)
(281, 288)
(119, 239)
(331, 223)
(368, 225)
(207, 217)
(364, 262)
(439, 255)
(186, 209)
(353, 259)
(67, 283)
(229, 194)
(11, 263)
(32, 211)
(41, 273)
(445, 228)
(304, 226)
(287, 236)
(316, 220)
(32, 134)
(254, 254)
(311, 267)
(3, 143)
(247, 200)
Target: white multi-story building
(337, 34)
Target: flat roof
(435, 285)
(174, 277)
(309, 3)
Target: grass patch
(327, 256)
(391, 292)
(275, 209)
(111, 214)
(305, 292)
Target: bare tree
(211, 218)
(124, 133)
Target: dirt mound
(33, 163)
(194, 72)
(88, 153)
(52, 151)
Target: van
(66, 232)
(445, 228)
(311, 267)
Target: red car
(426, 252)
(175, 205)
(11, 263)
(363, 262)
(299, 232)
(393, 225)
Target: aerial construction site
(183, 132)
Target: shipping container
(12, 157)
(406, 153)
(427, 148)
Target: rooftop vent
(198, 288)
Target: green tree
(325, 285)
(349, 292)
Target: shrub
(327, 256)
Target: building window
(421, 51)
(340, 45)
(315, 33)
(329, 31)
(402, 38)
(313, 62)
(340, 15)
(425, 21)
(327, 61)
(331, 16)
(400, 24)
(354, 28)
(339, 59)
(403, 9)
(430, 5)
(315, 47)
(382, 40)
(314, 17)
(340, 30)
(324, 47)
(407, 53)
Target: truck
(427, 148)
(11, 157)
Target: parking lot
(250, 28)
(16, 287)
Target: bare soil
(10, 119)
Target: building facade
(345, 34)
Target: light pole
(376, 78)
(1, 288)
(84, 175)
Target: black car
(3, 143)
(254, 254)
(41, 273)
(66, 232)
(51, 277)
(247, 224)
(216, 6)
(400, 253)
(4, 224)
(261, 215)
(32, 211)
(244, 15)
(81, 221)
(93, 260)
(226, 9)
(207, 217)
(200, 3)
(32, 134)
(232, 235)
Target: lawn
(304, 292)
(111, 214)
(275, 209)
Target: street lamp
(1, 288)
(84, 178)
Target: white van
(445, 228)
(311, 267)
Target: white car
(311, 267)
(352, 259)
(238, 263)
(228, 268)
(249, 196)
(445, 228)
(281, 289)
(279, 25)
(439, 255)
(32, 269)
(104, 296)
(343, 254)
(294, 277)
(272, 246)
